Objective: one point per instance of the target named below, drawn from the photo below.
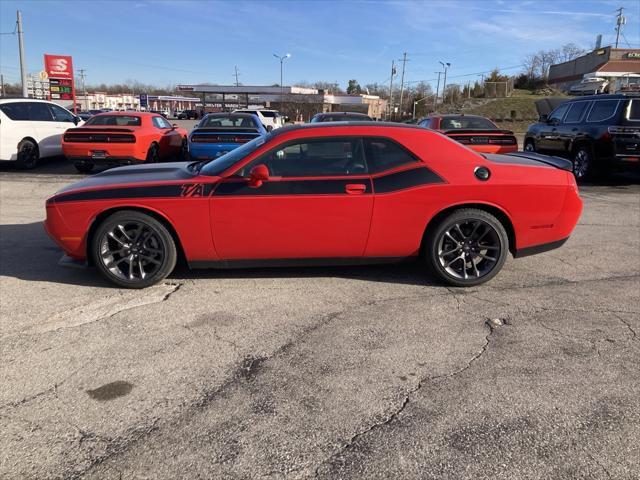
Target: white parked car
(271, 119)
(32, 129)
(589, 86)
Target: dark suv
(598, 133)
(187, 115)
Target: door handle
(355, 188)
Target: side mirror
(76, 120)
(174, 126)
(543, 118)
(258, 175)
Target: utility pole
(23, 67)
(237, 74)
(404, 61)
(393, 72)
(620, 21)
(435, 101)
(1, 85)
(444, 84)
(84, 90)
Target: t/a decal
(192, 190)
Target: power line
(15, 29)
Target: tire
(28, 155)
(153, 154)
(184, 151)
(583, 163)
(133, 250)
(84, 167)
(454, 247)
(529, 146)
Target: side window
(634, 110)
(384, 155)
(311, 158)
(60, 114)
(16, 110)
(602, 110)
(558, 113)
(576, 111)
(160, 122)
(426, 123)
(39, 112)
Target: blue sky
(169, 42)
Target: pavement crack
(490, 324)
(634, 335)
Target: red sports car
(123, 138)
(321, 194)
(478, 133)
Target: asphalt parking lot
(368, 372)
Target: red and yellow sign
(59, 68)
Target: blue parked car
(219, 133)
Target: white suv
(270, 118)
(32, 129)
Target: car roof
(19, 99)
(357, 114)
(368, 124)
(455, 115)
(127, 114)
(606, 96)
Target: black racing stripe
(405, 179)
(291, 187)
(125, 192)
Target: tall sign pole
(23, 67)
(393, 72)
(404, 61)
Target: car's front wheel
(529, 146)
(467, 248)
(133, 250)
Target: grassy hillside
(513, 113)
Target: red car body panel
(81, 143)
(384, 215)
(467, 138)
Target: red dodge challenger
(341, 193)
(478, 133)
(122, 138)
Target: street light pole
(417, 102)
(23, 66)
(444, 84)
(282, 59)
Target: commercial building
(614, 64)
(299, 103)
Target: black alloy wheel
(153, 154)
(28, 155)
(184, 151)
(467, 248)
(582, 163)
(133, 250)
(529, 146)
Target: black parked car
(598, 133)
(341, 117)
(187, 115)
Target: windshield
(117, 120)
(220, 164)
(449, 123)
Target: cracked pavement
(330, 373)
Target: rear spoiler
(223, 130)
(100, 130)
(558, 162)
(477, 131)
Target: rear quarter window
(384, 154)
(634, 110)
(602, 110)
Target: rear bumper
(209, 151)
(107, 161)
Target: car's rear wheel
(184, 151)
(133, 250)
(582, 163)
(529, 146)
(467, 248)
(28, 155)
(153, 154)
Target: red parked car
(478, 133)
(123, 138)
(313, 194)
